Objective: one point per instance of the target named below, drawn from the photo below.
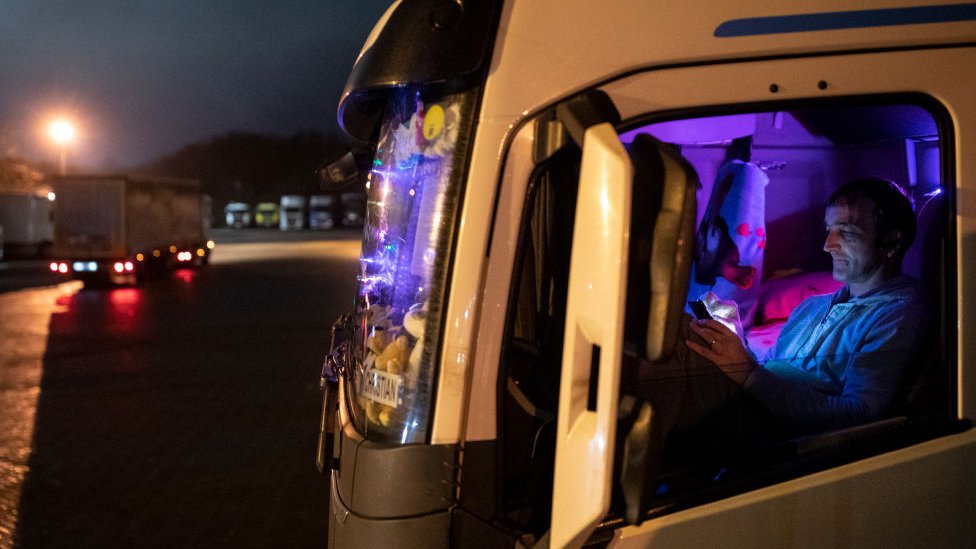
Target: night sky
(142, 78)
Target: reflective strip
(753, 26)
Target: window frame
(811, 454)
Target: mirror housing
(349, 169)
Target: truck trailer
(28, 224)
(553, 181)
(124, 228)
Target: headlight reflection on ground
(24, 320)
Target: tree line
(251, 167)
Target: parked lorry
(545, 181)
(322, 211)
(266, 215)
(123, 228)
(292, 216)
(28, 224)
(353, 208)
(237, 215)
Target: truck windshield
(412, 192)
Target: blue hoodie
(839, 361)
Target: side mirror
(661, 239)
(334, 367)
(638, 458)
(589, 385)
(341, 173)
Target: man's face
(852, 242)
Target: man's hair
(893, 210)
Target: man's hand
(723, 348)
(724, 311)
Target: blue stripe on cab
(753, 26)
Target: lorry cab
(353, 208)
(547, 185)
(292, 215)
(266, 214)
(237, 215)
(322, 211)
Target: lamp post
(62, 132)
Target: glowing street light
(62, 132)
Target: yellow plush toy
(394, 356)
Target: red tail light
(54, 267)
(119, 267)
(62, 268)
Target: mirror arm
(585, 111)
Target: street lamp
(62, 132)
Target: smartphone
(699, 309)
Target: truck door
(576, 323)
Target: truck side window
(761, 238)
(836, 354)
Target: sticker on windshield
(382, 387)
(433, 122)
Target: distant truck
(353, 208)
(28, 224)
(237, 215)
(292, 212)
(266, 215)
(322, 213)
(124, 229)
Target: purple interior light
(698, 131)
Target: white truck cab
(237, 215)
(292, 215)
(544, 177)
